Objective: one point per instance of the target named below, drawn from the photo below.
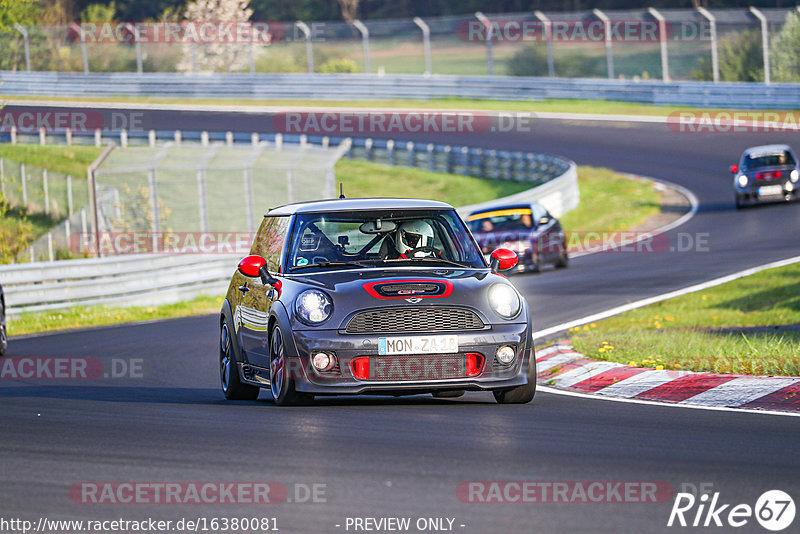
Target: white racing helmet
(413, 234)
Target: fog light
(789, 187)
(322, 361)
(505, 354)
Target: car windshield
(378, 238)
(502, 220)
(759, 160)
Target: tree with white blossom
(223, 42)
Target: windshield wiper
(431, 260)
(356, 264)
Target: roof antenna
(341, 191)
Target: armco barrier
(368, 86)
(123, 280)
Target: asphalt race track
(406, 457)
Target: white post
(151, 138)
(278, 142)
(13, 135)
(68, 136)
(134, 29)
(764, 41)
(254, 139)
(67, 231)
(84, 51)
(229, 138)
(607, 31)
(487, 25)
(156, 222)
(303, 27)
(426, 44)
(27, 45)
(548, 36)
(662, 38)
(712, 23)
(50, 254)
(42, 136)
(365, 41)
(204, 138)
(46, 192)
(69, 195)
(177, 136)
(98, 138)
(24, 179)
(123, 138)
(201, 199)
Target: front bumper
(346, 347)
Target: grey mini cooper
(765, 173)
(373, 296)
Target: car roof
(502, 207)
(767, 148)
(359, 204)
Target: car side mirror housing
(544, 220)
(251, 265)
(503, 259)
(266, 277)
(734, 169)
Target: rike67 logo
(774, 510)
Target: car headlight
(742, 180)
(313, 307)
(504, 300)
(794, 175)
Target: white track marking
(633, 385)
(664, 296)
(582, 373)
(592, 396)
(740, 391)
(551, 349)
(558, 359)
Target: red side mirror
(250, 265)
(503, 259)
(734, 169)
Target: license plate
(418, 345)
(768, 190)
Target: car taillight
(474, 364)
(360, 367)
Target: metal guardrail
(365, 87)
(132, 280)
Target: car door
(255, 298)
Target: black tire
(231, 383)
(3, 332)
(282, 386)
(520, 394)
(536, 263)
(563, 259)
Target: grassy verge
(708, 330)
(64, 159)
(85, 317)
(612, 107)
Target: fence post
(201, 199)
(24, 178)
(69, 195)
(84, 50)
(448, 164)
(764, 41)
(42, 136)
(426, 44)
(46, 192)
(134, 29)
(151, 138)
(411, 158)
(548, 37)
(365, 41)
(155, 224)
(229, 138)
(26, 44)
(487, 25)
(303, 27)
(278, 142)
(431, 157)
(607, 34)
(204, 138)
(465, 154)
(194, 57)
(662, 37)
(177, 136)
(712, 26)
(67, 232)
(98, 138)
(13, 135)
(68, 136)
(390, 151)
(123, 138)
(50, 254)
(368, 149)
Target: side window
(270, 240)
(538, 212)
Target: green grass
(64, 159)
(677, 333)
(85, 317)
(365, 179)
(557, 106)
(611, 201)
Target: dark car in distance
(765, 173)
(527, 229)
(373, 296)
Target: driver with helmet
(408, 238)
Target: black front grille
(438, 319)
